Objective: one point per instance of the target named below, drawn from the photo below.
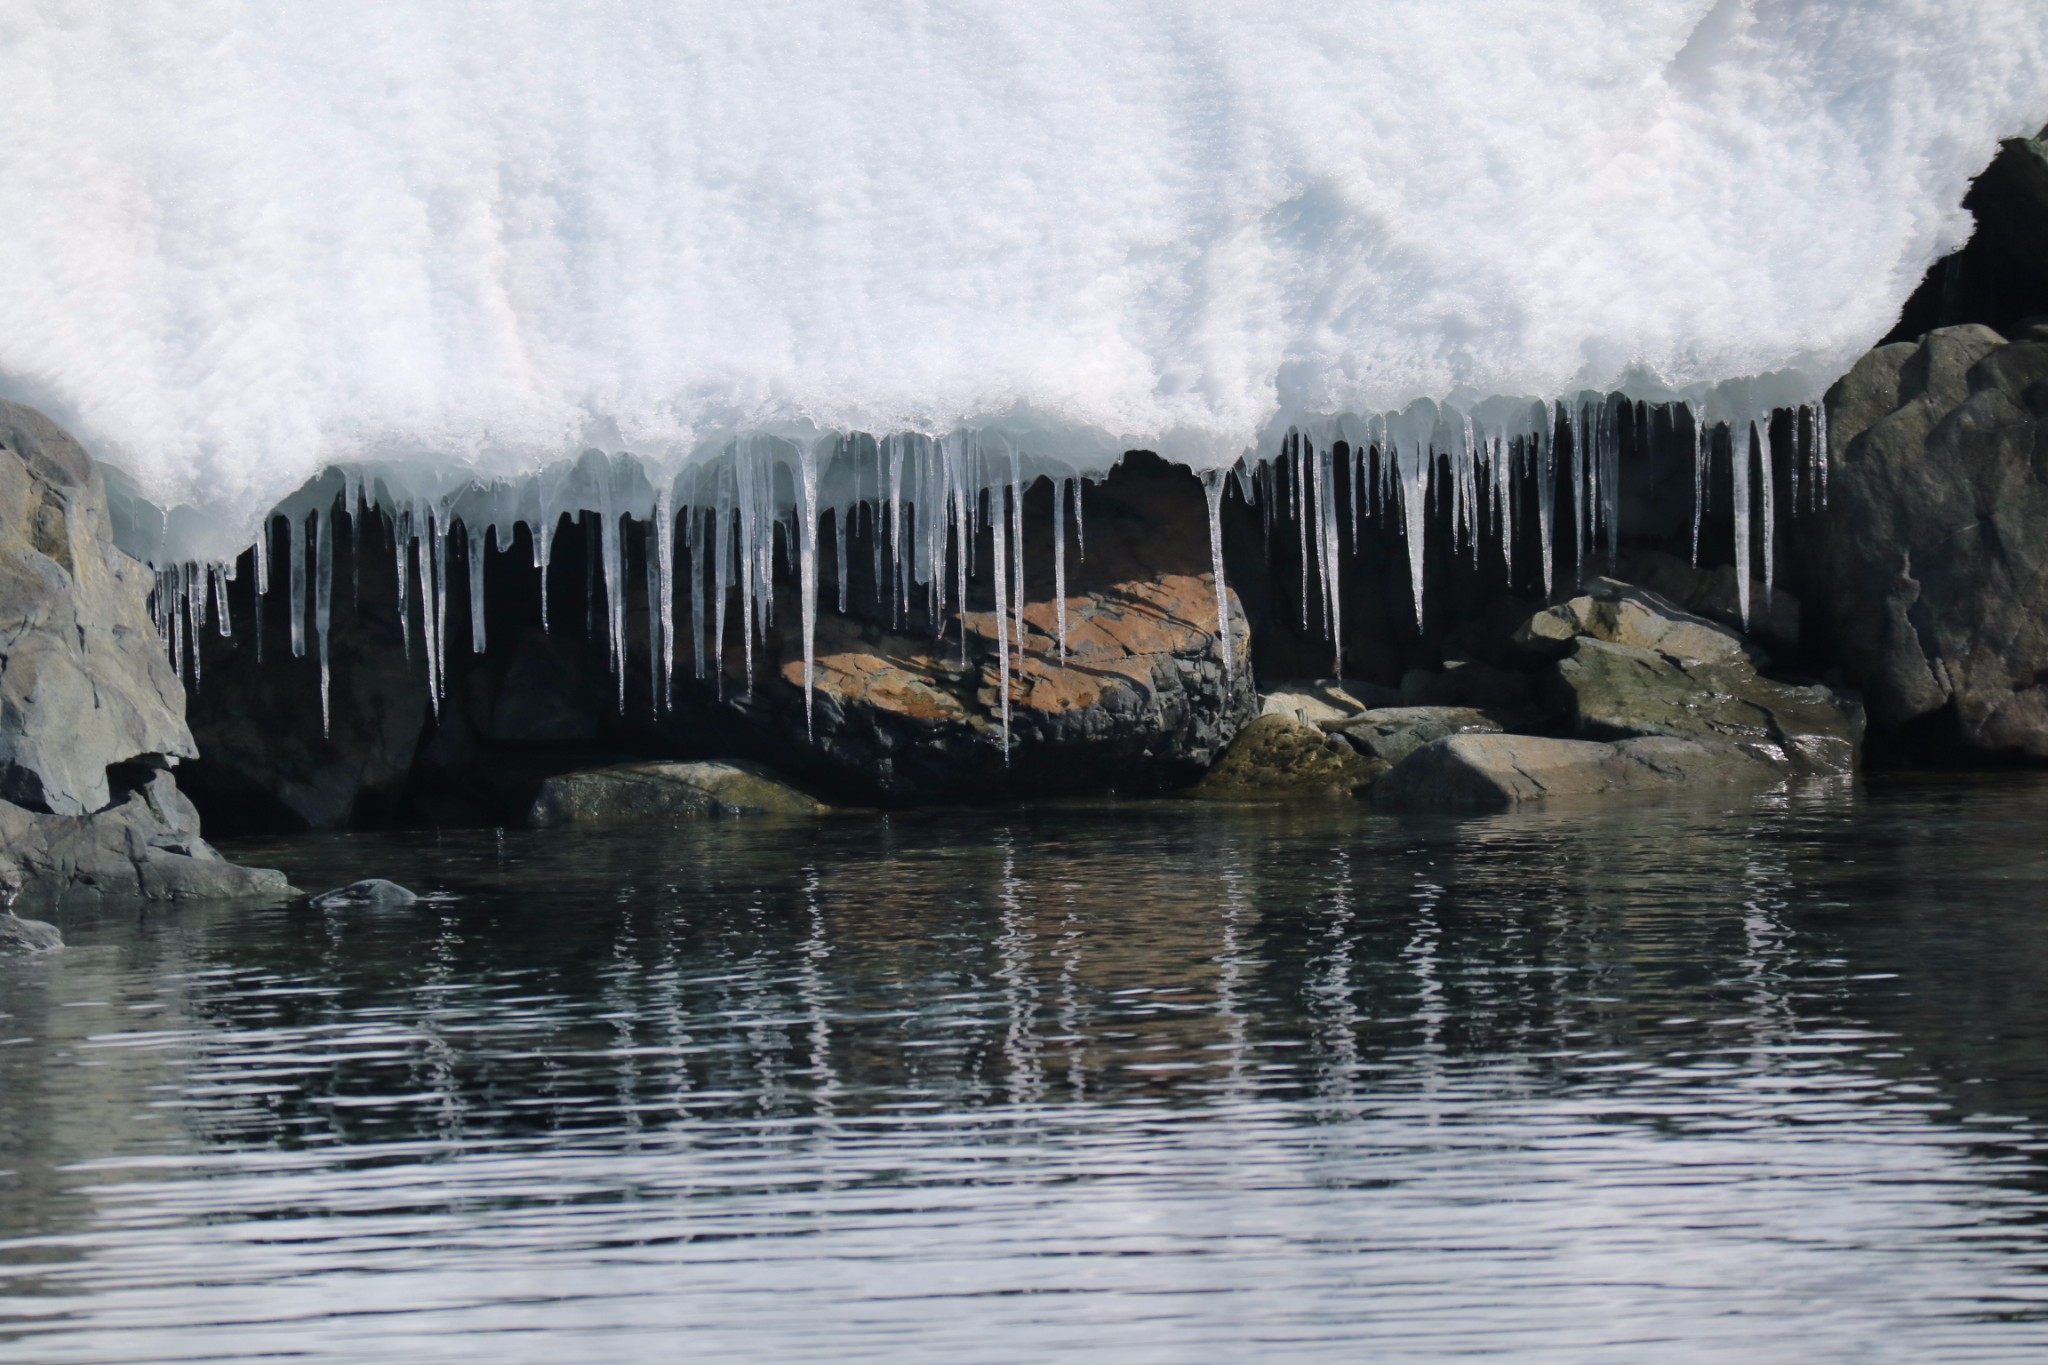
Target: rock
(1276, 756)
(1621, 614)
(1142, 700)
(1933, 552)
(371, 891)
(84, 682)
(1618, 691)
(146, 844)
(1325, 701)
(27, 935)
(644, 792)
(91, 715)
(1712, 592)
(1391, 734)
(1495, 772)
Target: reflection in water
(1140, 1082)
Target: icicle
(650, 563)
(1415, 512)
(665, 591)
(195, 615)
(1212, 485)
(1059, 559)
(842, 527)
(437, 521)
(1610, 478)
(807, 566)
(353, 497)
(963, 553)
(1301, 529)
(323, 604)
(1820, 443)
(401, 533)
(699, 567)
(1546, 492)
(612, 552)
(1017, 550)
(996, 522)
(1332, 590)
(174, 610)
(1738, 463)
(1080, 533)
(429, 592)
(1767, 503)
(723, 561)
(219, 574)
(476, 542)
(297, 557)
(1701, 453)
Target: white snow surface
(243, 241)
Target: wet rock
(371, 891)
(1495, 772)
(1277, 757)
(1933, 553)
(91, 714)
(648, 792)
(146, 844)
(1616, 691)
(1390, 734)
(1142, 699)
(27, 935)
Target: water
(1756, 1080)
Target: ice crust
(721, 265)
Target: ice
(1212, 486)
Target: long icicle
(1059, 560)
(996, 521)
(323, 599)
(1212, 487)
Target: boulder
(1495, 772)
(27, 935)
(371, 891)
(91, 714)
(1933, 551)
(145, 844)
(84, 681)
(1618, 691)
(649, 792)
(1390, 734)
(1713, 592)
(1142, 699)
(1325, 701)
(1621, 614)
(1277, 757)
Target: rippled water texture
(1132, 1082)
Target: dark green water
(1749, 1081)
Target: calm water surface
(1750, 1081)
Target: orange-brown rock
(1140, 700)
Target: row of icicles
(923, 499)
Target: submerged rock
(632, 792)
(27, 935)
(1277, 757)
(1933, 552)
(91, 715)
(371, 891)
(1494, 772)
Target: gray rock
(91, 715)
(1621, 614)
(1933, 553)
(371, 891)
(1618, 691)
(1324, 701)
(84, 682)
(144, 845)
(1775, 617)
(1277, 757)
(27, 935)
(635, 792)
(1495, 772)
(1390, 734)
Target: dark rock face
(91, 715)
(1276, 757)
(1141, 701)
(635, 793)
(1933, 555)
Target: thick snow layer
(240, 241)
